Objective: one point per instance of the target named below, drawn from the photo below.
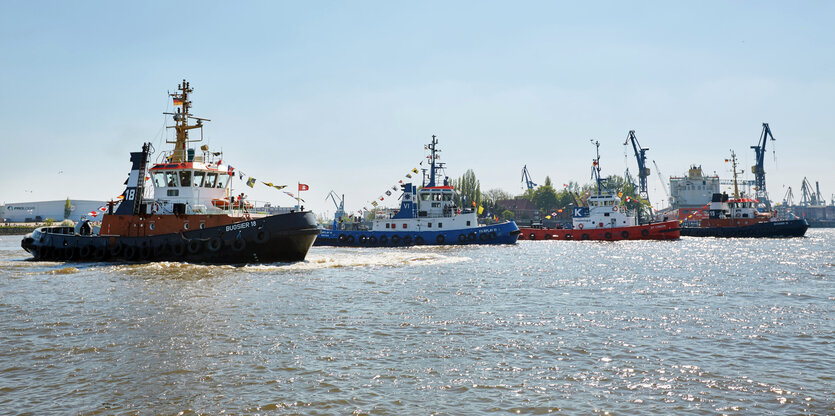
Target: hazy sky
(343, 95)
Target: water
(696, 326)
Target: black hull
(277, 238)
(775, 229)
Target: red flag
(303, 187)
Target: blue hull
(504, 233)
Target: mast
(433, 155)
(733, 164)
(595, 168)
(181, 126)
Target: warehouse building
(42, 210)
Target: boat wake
(346, 258)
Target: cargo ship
(428, 215)
(738, 217)
(191, 216)
(605, 218)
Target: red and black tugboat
(605, 218)
(190, 217)
(739, 217)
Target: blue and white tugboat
(427, 215)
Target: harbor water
(695, 326)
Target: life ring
(262, 236)
(239, 244)
(625, 234)
(532, 236)
(608, 235)
(407, 240)
(383, 240)
(584, 236)
(471, 237)
(363, 239)
(419, 241)
(614, 209)
(492, 235)
(547, 237)
(155, 207)
(178, 248)
(462, 238)
(85, 251)
(395, 240)
(372, 240)
(194, 246)
(580, 226)
(439, 239)
(214, 244)
(482, 237)
(645, 232)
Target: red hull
(658, 231)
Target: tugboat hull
(505, 233)
(774, 229)
(668, 230)
(277, 238)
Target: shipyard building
(42, 210)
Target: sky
(343, 96)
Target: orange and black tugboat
(739, 217)
(190, 217)
(605, 218)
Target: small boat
(428, 215)
(191, 216)
(739, 217)
(605, 218)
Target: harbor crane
(788, 199)
(663, 185)
(340, 206)
(526, 178)
(759, 169)
(641, 156)
(808, 197)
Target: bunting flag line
(270, 184)
(250, 182)
(293, 196)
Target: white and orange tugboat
(605, 218)
(191, 216)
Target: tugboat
(191, 216)
(738, 217)
(605, 218)
(427, 216)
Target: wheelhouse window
(198, 178)
(424, 196)
(447, 197)
(185, 178)
(211, 180)
(171, 179)
(159, 180)
(221, 180)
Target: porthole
(202, 225)
(185, 226)
(151, 226)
